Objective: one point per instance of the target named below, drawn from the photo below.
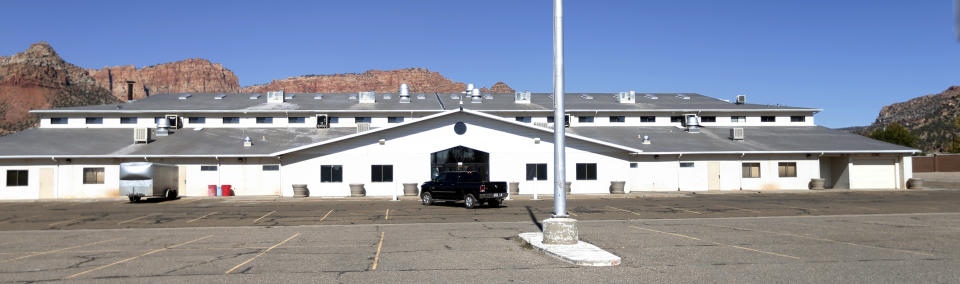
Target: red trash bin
(212, 190)
(227, 190)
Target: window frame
(585, 119)
(197, 120)
(98, 172)
(331, 173)
(264, 120)
(586, 171)
(536, 172)
(21, 175)
(709, 118)
(749, 174)
(93, 120)
(798, 118)
(381, 173)
(524, 119)
(209, 168)
(362, 119)
(298, 120)
(395, 119)
(688, 164)
(768, 118)
(676, 119)
(784, 169)
(230, 120)
(128, 120)
(738, 119)
(270, 168)
(59, 120)
(617, 119)
(648, 119)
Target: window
(362, 119)
(536, 171)
(788, 169)
(331, 173)
(633, 165)
(381, 173)
(333, 119)
(128, 120)
(751, 170)
(296, 120)
(231, 120)
(617, 118)
(585, 119)
(92, 175)
(768, 118)
(197, 120)
(648, 119)
(94, 120)
(208, 168)
(708, 119)
(395, 119)
(676, 118)
(17, 177)
(686, 165)
(586, 171)
(271, 168)
(798, 118)
(58, 120)
(264, 120)
(523, 118)
(738, 119)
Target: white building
(329, 141)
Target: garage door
(873, 173)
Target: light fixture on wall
(536, 140)
(382, 141)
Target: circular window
(460, 128)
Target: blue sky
(848, 57)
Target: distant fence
(938, 163)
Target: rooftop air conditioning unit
(741, 99)
(141, 135)
(692, 123)
(361, 127)
(275, 97)
(323, 121)
(627, 97)
(404, 94)
(736, 133)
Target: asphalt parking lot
(828, 237)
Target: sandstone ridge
(930, 118)
(420, 80)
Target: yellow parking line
(201, 217)
(64, 222)
(624, 210)
(681, 209)
(57, 250)
(138, 218)
(261, 253)
(387, 216)
(376, 259)
(325, 216)
(738, 208)
(823, 239)
(142, 255)
(720, 244)
(264, 216)
(793, 207)
(571, 213)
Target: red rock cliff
(418, 79)
(186, 76)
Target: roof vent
(586, 97)
(318, 97)
(387, 96)
(368, 97)
(469, 89)
(247, 142)
(404, 93)
(185, 96)
(162, 126)
(651, 96)
(627, 97)
(693, 123)
(219, 97)
(736, 133)
(683, 97)
(352, 97)
(645, 139)
(487, 96)
(741, 99)
(288, 96)
(421, 96)
(141, 135)
(454, 97)
(521, 97)
(475, 96)
(254, 96)
(275, 97)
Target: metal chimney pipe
(559, 147)
(130, 90)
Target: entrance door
(460, 159)
(46, 183)
(713, 176)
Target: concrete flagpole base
(560, 239)
(560, 231)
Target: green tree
(896, 134)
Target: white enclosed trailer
(145, 179)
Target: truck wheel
(495, 203)
(426, 198)
(168, 194)
(134, 198)
(470, 202)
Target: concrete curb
(582, 253)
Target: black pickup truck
(466, 186)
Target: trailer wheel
(134, 198)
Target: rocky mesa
(930, 118)
(420, 80)
(186, 76)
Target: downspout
(678, 170)
(280, 174)
(56, 179)
(741, 170)
(218, 171)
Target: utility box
(146, 179)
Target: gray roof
(799, 139)
(171, 103)
(118, 142)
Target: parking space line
(822, 239)
(681, 209)
(261, 253)
(139, 256)
(264, 216)
(57, 250)
(201, 217)
(720, 244)
(376, 259)
(572, 214)
(624, 210)
(387, 216)
(325, 216)
(744, 209)
(138, 218)
(64, 222)
(793, 207)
